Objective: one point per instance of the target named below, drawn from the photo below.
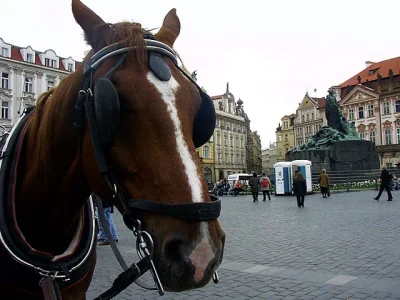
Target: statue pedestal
(342, 155)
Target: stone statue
(220, 105)
(332, 112)
(194, 75)
(227, 87)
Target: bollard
(347, 184)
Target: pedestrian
(265, 186)
(324, 183)
(108, 210)
(300, 189)
(385, 179)
(254, 183)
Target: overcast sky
(269, 51)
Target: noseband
(130, 208)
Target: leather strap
(50, 288)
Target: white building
(26, 73)
(230, 136)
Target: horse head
(151, 117)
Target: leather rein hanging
(128, 207)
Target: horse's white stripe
(167, 90)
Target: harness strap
(126, 278)
(50, 288)
(108, 233)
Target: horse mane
(53, 102)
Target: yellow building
(284, 136)
(206, 154)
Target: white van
(232, 179)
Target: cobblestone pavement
(343, 247)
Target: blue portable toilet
(303, 166)
(282, 179)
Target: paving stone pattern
(343, 247)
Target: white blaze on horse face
(167, 89)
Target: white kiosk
(282, 179)
(303, 166)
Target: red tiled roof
(16, 55)
(381, 67)
(321, 102)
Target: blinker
(158, 66)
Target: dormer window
(4, 52)
(50, 63)
(70, 67)
(373, 71)
(29, 58)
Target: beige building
(230, 136)
(310, 117)
(285, 136)
(371, 99)
(269, 158)
(25, 74)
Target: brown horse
(151, 152)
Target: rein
(131, 208)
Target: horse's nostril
(172, 250)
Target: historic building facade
(230, 136)
(269, 158)
(256, 158)
(371, 99)
(26, 73)
(309, 118)
(284, 136)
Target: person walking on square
(324, 183)
(108, 210)
(254, 183)
(300, 189)
(385, 179)
(265, 186)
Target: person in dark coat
(254, 183)
(385, 180)
(300, 189)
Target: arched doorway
(208, 174)
(221, 175)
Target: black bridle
(131, 208)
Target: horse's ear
(170, 28)
(91, 24)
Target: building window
(302, 118)
(388, 136)
(4, 52)
(29, 58)
(370, 110)
(206, 152)
(218, 139)
(70, 67)
(361, 112)
(232, 161)
(312, 116)
(231, 141)
(4, 80)
(50, 62)
(308, 117)
(286, 138)
(50, 85)
(362, 135)
(398, 106)
(372, 137)
(237, 143)
(4, 109)
(28, 84)
(386, 108)
(225, 140)
(351, 113)
(398, 135)
(280, 138)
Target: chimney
(368, 63)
